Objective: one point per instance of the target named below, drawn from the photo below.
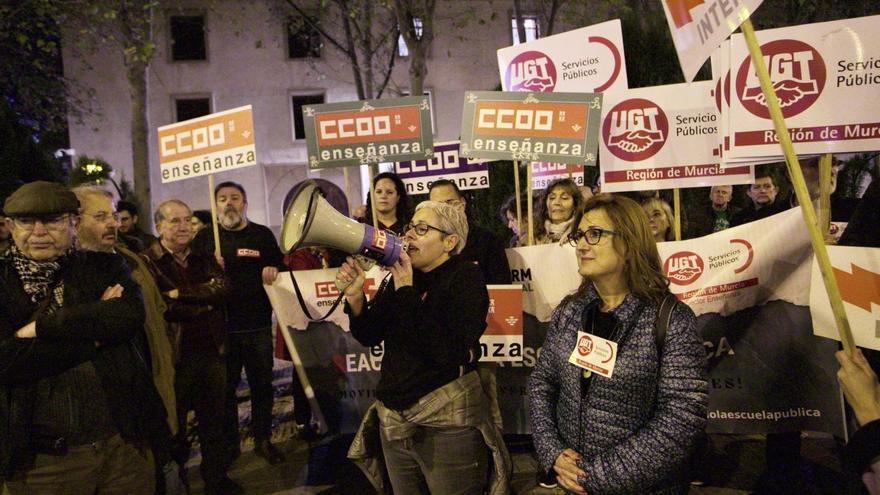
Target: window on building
(188, 38)
(402, 49)
(303, 39)
(191, 107)
(530, 24)
(299, 101)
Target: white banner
(584, 60)
(722, 273)
(698, 27)
(857, 271)
(827, 77)
(663, 137)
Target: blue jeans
(438, 461)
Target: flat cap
(40, 198)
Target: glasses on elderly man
(103, 216)
(592, 235)
(52, 222)
(422, 229)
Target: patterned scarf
(556, 231)
(38, 278)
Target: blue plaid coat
(636, 430)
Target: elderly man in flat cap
(77, 405)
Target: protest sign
(698, 27)
(366, 132)
(663, 137)
(543, 173)
(826, 76)
(447, 163)
(857, 271)
(556, 127)
(213, 143)
(503, 338)
(588, 59)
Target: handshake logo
(635, 129)
(797, 72)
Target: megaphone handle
(305, 308)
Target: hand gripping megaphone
(311, 221)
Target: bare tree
(418, 41)
(364, 32)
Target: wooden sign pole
(518, 202)
(800, 188)
(529, 208)
(676, 203)
(825, 192)
(216, 221)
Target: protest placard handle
(516, 195)
(800, 187)
(216, 221)
(676, 203)
(321, 423)
(373, 205)
(529, 203)
(825, 192)
(345, 188)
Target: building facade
(217, 55)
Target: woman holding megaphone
(431, 416)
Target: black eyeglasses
(592, 235)
(421, 229)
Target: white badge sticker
(594, 354)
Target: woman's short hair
(634, 242)
(450, 219)
(543, 213)
(652, 203)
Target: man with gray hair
(77, 406)
(98, 230)
(713, 217)
(196, 291)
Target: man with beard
(77, 406)
(97, 230)
(196, 291)
(250, 257)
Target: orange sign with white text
(204, 145)
(503, 338)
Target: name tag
(247, 253)
(594, 354)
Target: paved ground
(735, 468)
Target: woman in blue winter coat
(618, 402)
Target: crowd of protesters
(110, 336)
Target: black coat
(67, 338)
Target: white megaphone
(311, 221)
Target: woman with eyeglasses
(431, 416)
(559, 207)
(660, 219)
(393, 208)
(631, 429)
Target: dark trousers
(253, 351)
(108, 466)
(200, 385)
(438, 461)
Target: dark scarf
(38, 278)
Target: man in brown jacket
(195, 290)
